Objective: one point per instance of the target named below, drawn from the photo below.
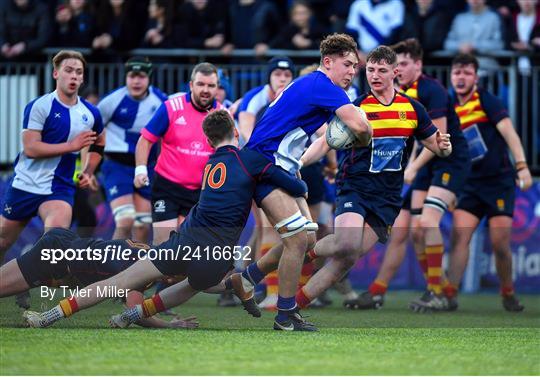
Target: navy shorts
(118, 180)
(170, 200)
(488, 197)
(450, 173)
(195, 260)
(37, 271)
(21, 205)
(314, 179)
(407, 195)
(379, 214)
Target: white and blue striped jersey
(255, 100)
(125, 117)
(57, 123)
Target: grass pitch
(480, 338)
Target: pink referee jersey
(184, 148)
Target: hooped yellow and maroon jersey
(388, 153)
(479, 117)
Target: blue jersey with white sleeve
(302, 108)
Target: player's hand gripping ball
(338, 135)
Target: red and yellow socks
(434, 255)
(69, 306)
(152, 306)
(507, 291)
(378, 287)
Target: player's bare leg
(123, 211)
(500, 232)
(143, 218)
(12, 280)
(138, 275)
(55, 214)
(463, 227)
(162, 229)
(437, 201)
(9, 232)
(373, 298)
(353, 238)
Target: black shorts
(38, 271)
(407, 195)
(379, 214)
(450, 173)
(194, 259)
(170, 200)
(314, 179)
(488, 197)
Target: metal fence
(21, 82)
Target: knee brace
(311, 226)
(143, 218)
(436, 203)
(126, 211)
(291, 225)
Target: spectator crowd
(27, 26)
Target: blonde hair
(67, 54)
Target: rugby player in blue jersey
(281, 135)
(214, 223)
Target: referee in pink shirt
(184, 151)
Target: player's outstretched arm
(350, 115)
(506, 128)
(317, 150)
(439, 144)
(34, 147)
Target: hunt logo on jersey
(85, 118)
(475, 141)
(386, 154)
(402, 115)
(445, 179)
(159, 206)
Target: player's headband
(139, 64)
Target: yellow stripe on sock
(381, 283)
(149, 307)
(66, 308)
(435, 249)
(434, 271)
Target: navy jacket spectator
(75, 25)
(201, 24)
(303, 31)
(25, 28)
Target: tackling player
(490, 189)
(32, 269)
(125, 112)
(216, 221)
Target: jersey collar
(212, 106)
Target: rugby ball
(338, 135)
